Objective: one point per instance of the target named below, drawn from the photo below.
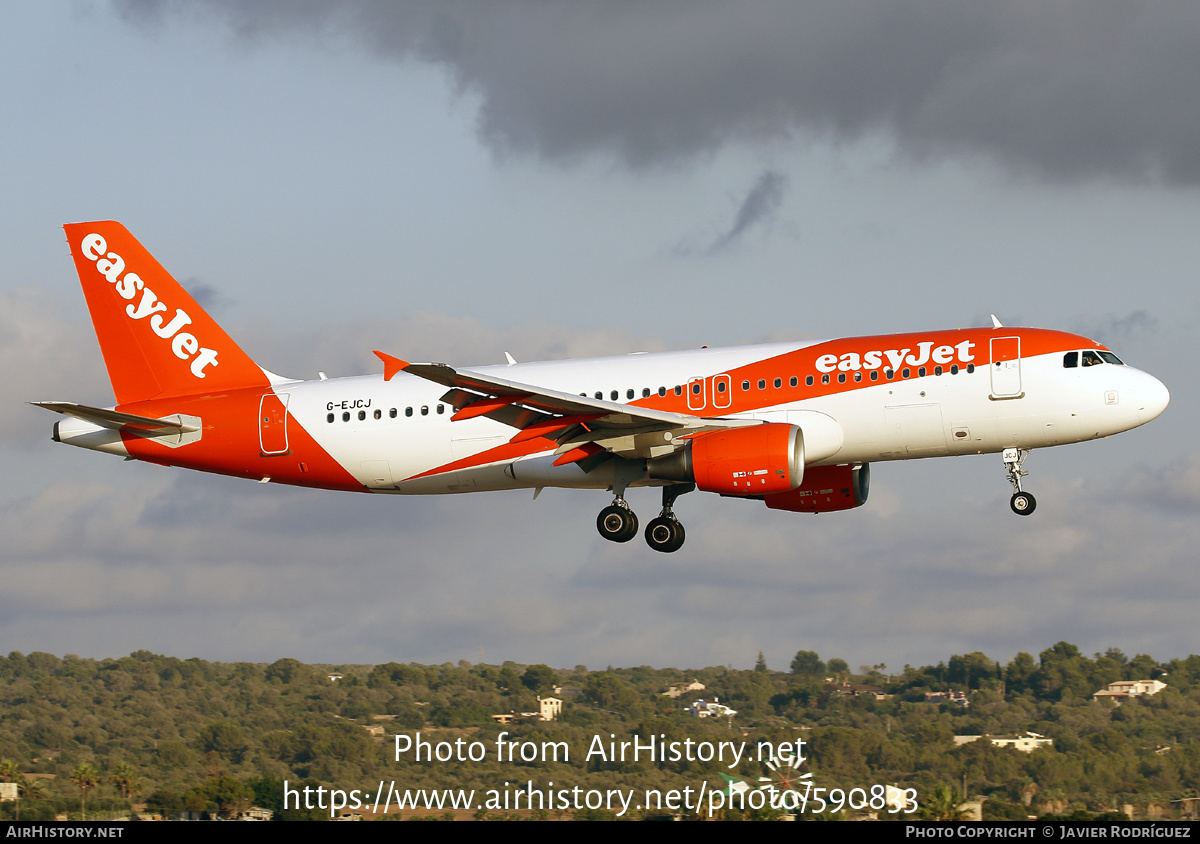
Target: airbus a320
(795, 425)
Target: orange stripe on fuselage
(804, 362)
(229, 443)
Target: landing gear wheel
(617, 524)
(1022, 503)
(665, 534)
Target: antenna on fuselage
(996, 323)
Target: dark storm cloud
(760, 203)
(1070, 89)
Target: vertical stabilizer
(157, 341)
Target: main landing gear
(1022, 503)
(618, 523)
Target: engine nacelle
(826, 489)
(756, 460)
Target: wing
(116, 420)
(581, 426)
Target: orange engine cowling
(826, 489)
(756, 460)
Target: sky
(452, 181)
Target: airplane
(795, 425)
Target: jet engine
(826, 489)
(755, 461)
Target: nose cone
(1152, 398)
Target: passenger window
(329, 418)
(362, 414)
(720, 386)
(904, 373)
(824, 379)
(808, 381)
(1070, 360)
(762, 383)
(392, 413)
(745, 386)
(346, 416)
(629, 394)
(937, 370)
(778, 383)
(645, 392)
(441, 408)
(970, 368)
(889, 374)
(614, 395)
(408, 411)
(858, 376)
(662, 391)
(954, 369)
(425, 410)
(874, 374)
(378, 414)
(794, 381)
(921, 372)
(600, 395)
(696, 389)
(679, 389)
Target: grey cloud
(1174, 489)
(759, 205)
(1120, 328)
(1074, 89)
(207, 296)
(251, 571)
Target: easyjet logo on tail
(184, 345)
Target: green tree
(807, 664)
(539, 678)
(87, 777)
(125, 778)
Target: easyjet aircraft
(794, 425)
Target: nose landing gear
(1022, 503)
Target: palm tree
(941, 803)
(86, 776)
(125, 779)
(30, 790)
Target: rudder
(156, 340)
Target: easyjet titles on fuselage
(852, 361)
(183, 344)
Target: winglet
(391, 365)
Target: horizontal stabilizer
(114, 419)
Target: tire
(617, 524)
(665, 535)
(1022, 503)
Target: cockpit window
(1111, 358)
(1070, 360)
(1091, 358)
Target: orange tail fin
(157, 342)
